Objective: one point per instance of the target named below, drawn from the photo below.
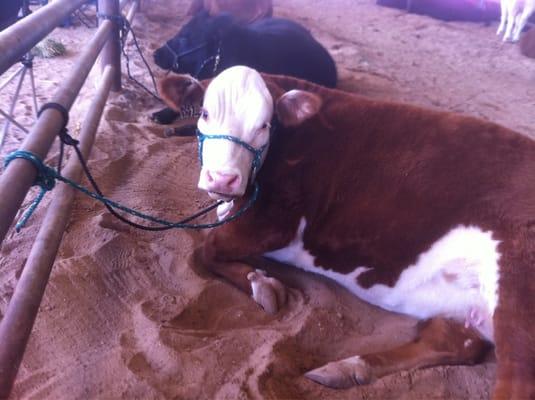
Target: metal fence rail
(16, 180)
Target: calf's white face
(236, 103)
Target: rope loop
(59, 108)
(119, 19)
(64, 136)
(45, 179)
(46, 176)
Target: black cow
(207, 45)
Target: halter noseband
(257, 153)
(176, 57)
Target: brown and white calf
(420, 212)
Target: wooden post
(16, 326)
(18, 177)
(111, 54)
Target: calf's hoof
(165, 116)
(342, 374)
(268, 292)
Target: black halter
(176, 58)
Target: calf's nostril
(233, 180)
(222, 181)
(209, 177)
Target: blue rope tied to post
(47, 176)
(45, 179)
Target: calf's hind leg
(439, 341)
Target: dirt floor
(126, 315)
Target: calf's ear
(296, 106)
(179, 90)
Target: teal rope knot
(45, 179)
(46, 176)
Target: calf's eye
(204, 114)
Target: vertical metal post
(111, 54)
(14, 102)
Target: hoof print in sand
(114, 113)
(219, 308)
(182, 131)
(108, 221)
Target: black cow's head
(193, 50)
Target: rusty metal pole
(111, 54)
(18, 177)
(16, 326)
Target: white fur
(514, 16)
(457, 277)
(223, 210)
(238, 103)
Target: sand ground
(126, 314)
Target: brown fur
(246, 11)
(378, 184)
(439, 342)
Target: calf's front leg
(227, 251)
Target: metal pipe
(17, 179)
(35, 107)
(111, 53)
(13, 76)
(19, 38)
(16, 326)
(14, 102)
(14, 122)
(132, 12)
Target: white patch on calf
(237, 103)
(457, 278)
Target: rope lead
(47, 176)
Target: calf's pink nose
(221, 182)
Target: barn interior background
(126, 316)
